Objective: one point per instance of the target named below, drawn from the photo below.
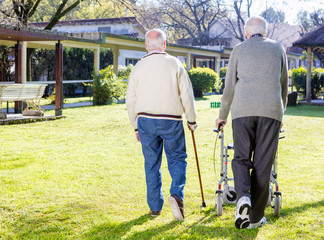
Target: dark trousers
(255, 146)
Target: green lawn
(82, 177)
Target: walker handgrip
(220, 126)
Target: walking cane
(201, 188)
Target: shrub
(203, 80)
(125, 71)
(222, 75)
(298, 79)
(222, 72)
(107, 87)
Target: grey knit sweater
(256, 81)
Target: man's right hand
(218, 121)
(192, 127)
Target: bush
(222, 75)
(125, 71)
(222, 72)
(298, 79)
(107, 87)
(203, 80)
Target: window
(132, 61)
(104, 29)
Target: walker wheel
(219, 204)
(230, 199)
(277, 206)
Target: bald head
(155, 39)
(256, 25)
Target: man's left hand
(137, 137)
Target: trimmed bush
(203, 80)
(125, 71)
(222, 72)
(298, 79)
(107, 87)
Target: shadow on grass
(198, 230)
(305, 111)
(205, 228)
(14, 163)
(284, 212)
(114, 231)
(201, 99)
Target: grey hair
(256, 25)
(156, 42)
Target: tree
(235, 20)
(273, 16)
(187, 18)
(309, 20)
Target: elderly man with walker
(255, 92)
(159, 91)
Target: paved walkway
(68, 105)
(52, 106)
(317, 102)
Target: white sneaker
(243, 209)
(261, 223)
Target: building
(127, 26)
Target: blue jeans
(154, 133)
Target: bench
(29, 93)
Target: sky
(289, 7)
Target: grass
(82, 177)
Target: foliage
(309, 20)
(107, 87)
(298, 78)
(77, 63)
(203, 80)
(125, 71)
(222, 72)
(273, 16)
(188, 20)
(87, 9)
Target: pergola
(312, 42)
(19, 38)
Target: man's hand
(192, 127)
(218, 121)
(137, 137)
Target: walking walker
(225, 193)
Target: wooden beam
(59, 79)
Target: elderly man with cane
(255, 92)
(159, 91)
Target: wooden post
(188, 61)
(115, 59)
(23, 62)
(18, 48)
(97, 61)
(308, 78)
(59, 79)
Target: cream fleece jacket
(159, 87)
(256, 81)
